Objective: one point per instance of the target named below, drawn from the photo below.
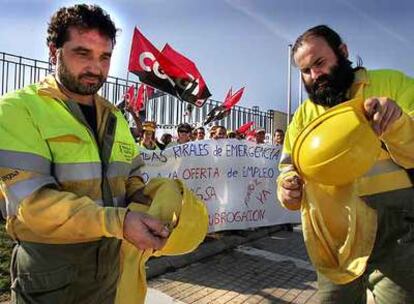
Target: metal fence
(168, 111)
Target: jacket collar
(360, 81)
(49, 87)
(361, 77)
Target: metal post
(300, 88)
(289, 93)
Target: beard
(331, 89)
(73, 83)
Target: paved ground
(262, 266)
(273, 269)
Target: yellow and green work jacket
(59, 184)
(339, 228)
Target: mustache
(321, 82)
(91, 75)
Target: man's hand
(382, 111)
(144, 231)
(291, 190)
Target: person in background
(184, 135)
(231, 134)
(148, 141)
(200, 133)
(279, 137)
(212, 131)
(220, 133)
(359, 235)
(260, 136)
(165, 140)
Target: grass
(6, 245)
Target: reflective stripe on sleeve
(383, 166)
(77, 171)
(87, 171)
(136, 165)
(384, 176)
(24, 161)
(15, 193)
(118, 169)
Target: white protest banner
(236, 179)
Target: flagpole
(289, 93)
(127, 87)
(300, 88)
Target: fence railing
(18, 71)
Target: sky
(235, 43)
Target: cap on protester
(149, 126)
(261, 130)
(184, 127)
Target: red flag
(251, 135)
(144, 62)
(235, 98)
(129, 96)
(244, 128)
(229, 93)
(139, 100)
(195, 90)
(149, 91)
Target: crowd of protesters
(145, 134)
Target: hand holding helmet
(291, 190)
(382, 112)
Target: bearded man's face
(327, 75)
(83, 61)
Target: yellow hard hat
(337, 147)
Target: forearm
(60, 215)
(399, 140)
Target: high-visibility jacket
(339, 228)
(59, 184)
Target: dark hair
(279, 131)
(231, 134)
(165, 136)
(323, 31)
(82, 16)
(184, 127)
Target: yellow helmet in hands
(337, 147)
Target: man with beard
(366, 240)
(74, 168)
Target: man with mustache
(366, 241)
(75, 168)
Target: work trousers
(390, 269)
(73, 273)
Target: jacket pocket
(52, 286)
(66, 145)
(46, 281)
